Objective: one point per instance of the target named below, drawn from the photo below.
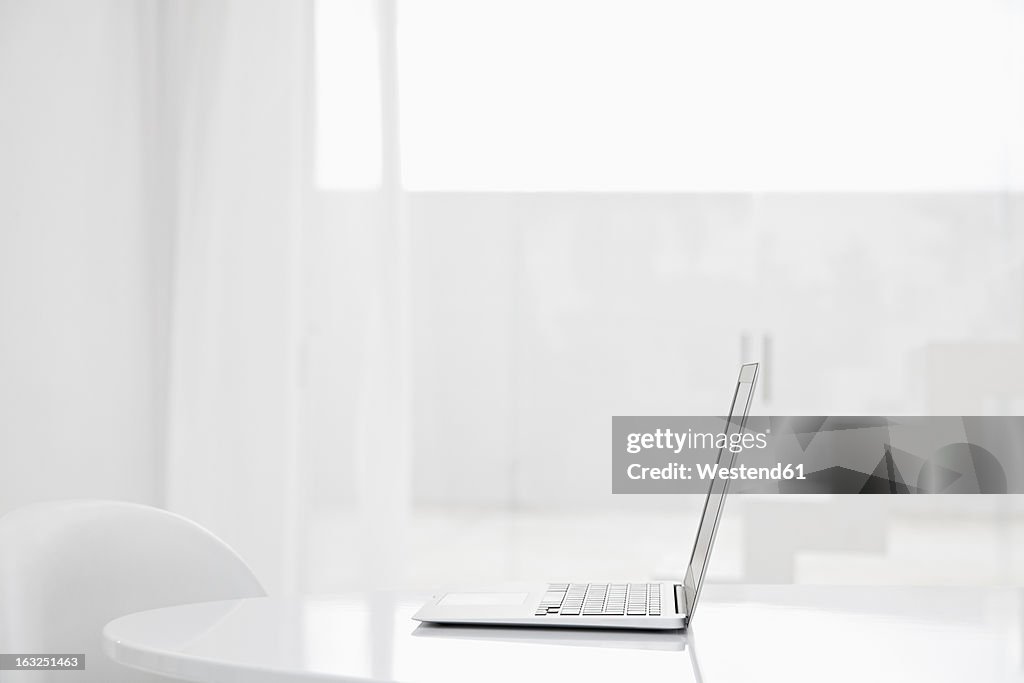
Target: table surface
(740, 633)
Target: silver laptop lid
(715, 501)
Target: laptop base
(560, 605)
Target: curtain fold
(233, 107)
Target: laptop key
(596, 599)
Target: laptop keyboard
(601, 599)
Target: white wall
(79, 296)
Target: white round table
(740, 634)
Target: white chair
(67, 568)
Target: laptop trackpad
(482, 599)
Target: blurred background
(358, 284)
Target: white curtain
(79, 376)
(234, 75)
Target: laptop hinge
(680, 600)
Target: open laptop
(647, 605)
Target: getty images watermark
(819, 454)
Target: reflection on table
(739, 634)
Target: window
(676, 95)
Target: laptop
(580, 604)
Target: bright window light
(348, 128)
(690, 95)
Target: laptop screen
(715, 500)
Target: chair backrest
(67, 568)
